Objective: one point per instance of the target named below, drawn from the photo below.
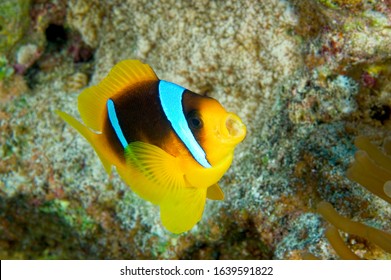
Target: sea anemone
(378, 237)
(372, 168)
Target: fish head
(216, 130)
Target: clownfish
(169, 144)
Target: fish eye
(194, 120)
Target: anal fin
(181, 210)
(214, 192)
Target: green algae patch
(5, 70)
(14, 21)
(74, 217)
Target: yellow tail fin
(92, 137)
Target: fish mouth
(234, 130)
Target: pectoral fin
(151, 172)
(157, 176)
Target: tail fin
(92, 137)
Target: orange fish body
(170, 145)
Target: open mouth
(236, 130)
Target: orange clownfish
(170, 145)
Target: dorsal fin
(124, 75)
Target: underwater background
(306, 77)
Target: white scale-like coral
(235, 51)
